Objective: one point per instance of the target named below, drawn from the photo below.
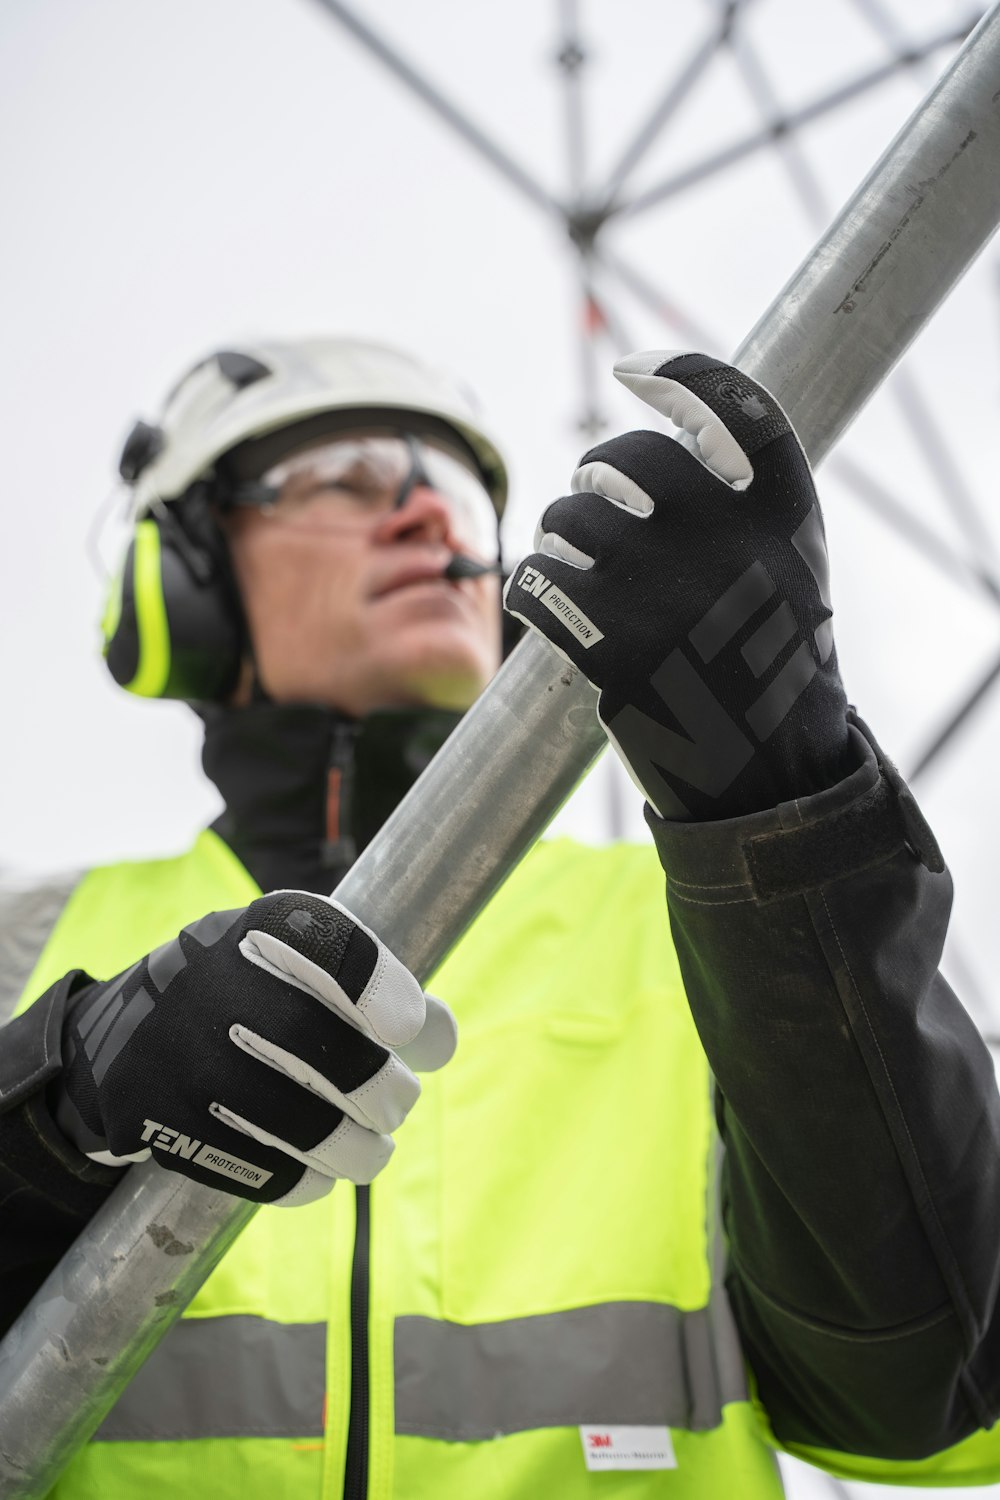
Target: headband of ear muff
(173, 625)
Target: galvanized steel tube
(915, 224)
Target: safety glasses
(348, 483)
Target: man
(529, 1293)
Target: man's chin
(444, 678)
(441, 663)
(446, 689)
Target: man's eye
(353, 488)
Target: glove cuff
(803, 844)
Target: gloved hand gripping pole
(833, 334)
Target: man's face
(342, 576)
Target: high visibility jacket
(530, 1277)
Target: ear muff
(173, 625)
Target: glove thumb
(727, 416)
(435, 1042)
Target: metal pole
(677, 91)
(833, 334)
(914, 226)
(758, 140)
(918, 414)
(572, 59)
(955, 721)
(448, 111)
(966, 571)
(870, 490)
(658, 303)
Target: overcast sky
(178, 175)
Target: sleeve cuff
(31, 1145)
(804, 844)
(31, 1044)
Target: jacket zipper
(340, 847)
(356, 1461)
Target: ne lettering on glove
(688, 581)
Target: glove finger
(638, 470)
(317, 945)
(107, 1158)
(590, 525)
(349, 1150)
(599, 477)
(435, 1043)
(729, 415)
(311, 1186)
(277, 1106)
(379, 1101)
(289, 1015)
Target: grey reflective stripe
(226, 1377)
(727, 1372)
(28, 913)
(633, 1363)
(614, 1363)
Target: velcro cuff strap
(801, 845)
(34, 1151)
(31, 1044)
(804, 859)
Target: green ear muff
(136, 633)
(173, 626)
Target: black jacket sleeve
(48, 1189)
(859, 1113)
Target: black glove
(252, 1052)
(693, 592)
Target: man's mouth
(412, 575)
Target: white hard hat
(236, 396)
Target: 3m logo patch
(627, 1448)
(174, 1143)
(556, 602)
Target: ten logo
(558, 604)
(170, 1140)
(176, 1144)
(533, 582)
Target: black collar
(307, 788)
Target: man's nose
(424, 515)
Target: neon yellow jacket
(541, 1245)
